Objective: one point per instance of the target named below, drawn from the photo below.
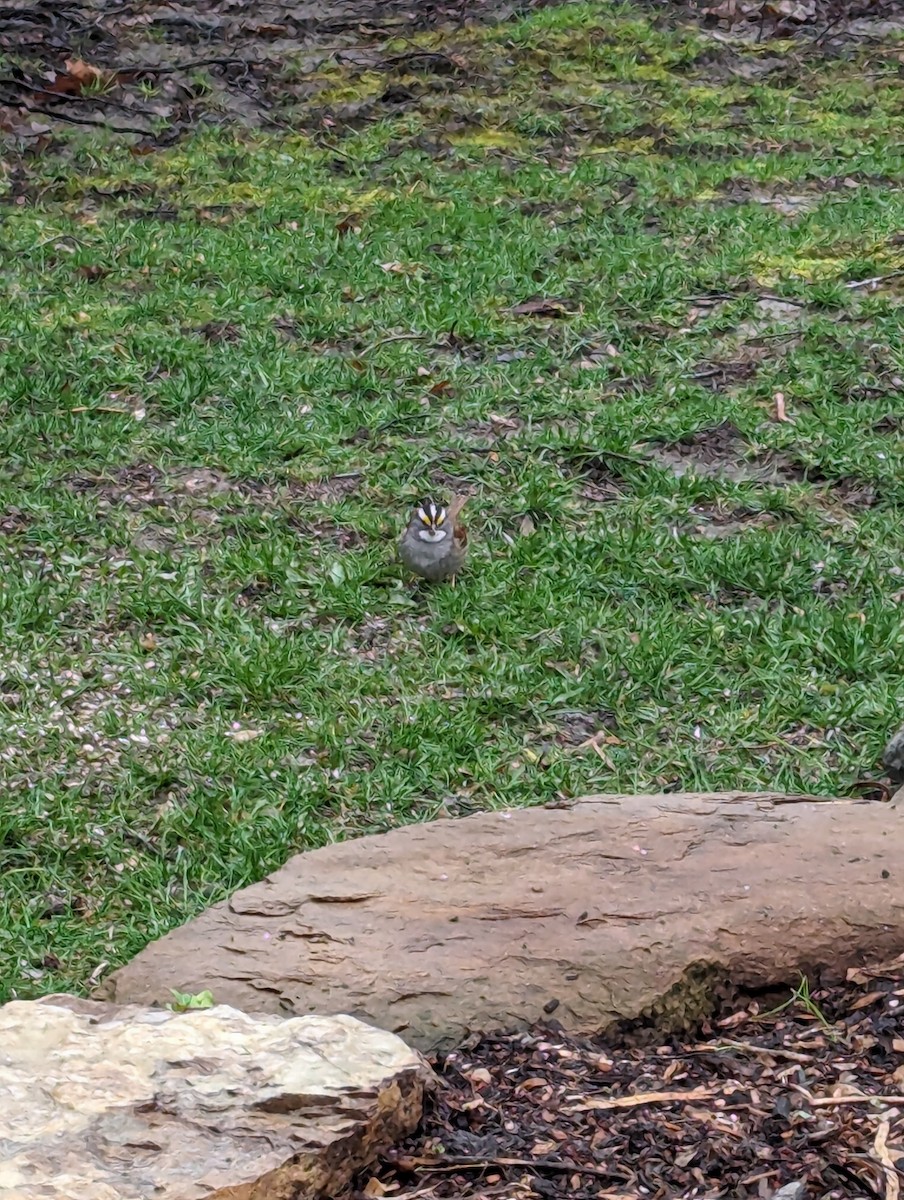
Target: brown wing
(455, 506)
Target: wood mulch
(802, 1102)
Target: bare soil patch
(721, 451)
(716, 520)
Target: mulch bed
(807, 1101)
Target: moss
(489, 139)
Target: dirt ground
(134, 68)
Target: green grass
(217, 408)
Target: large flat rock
(618, 907)
(105, 1103)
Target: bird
(434, 544)
(893, 758)
(893, 762)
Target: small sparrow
(893, 761)
(893, 757)
(434, 544)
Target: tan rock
(618, 907)
(106, 1103)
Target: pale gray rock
(100, 1102)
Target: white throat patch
(431, 535)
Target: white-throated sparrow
(434, 544)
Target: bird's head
(429, 522)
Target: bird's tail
(455, 506)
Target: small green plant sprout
(184, 1001)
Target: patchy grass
(230, 367)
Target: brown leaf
(374, 1188)
(400, 268)
(540, 306)
(441, 388)
(867, 1000)
(350, 223)
(77, 77)
(503, 424)
(527, 525)
(792, 10)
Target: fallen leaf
(350, 223)
(527, 527)
(147, 641)
(867, 1000)
(500, 423)
(78, 76)
(792, 10)
(373, 1188)
(244, 735)
(441, 388)
(398, 268)
(541, 306)
(541, 1149)
(779, 401)
(738, 1018)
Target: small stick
(790, 1055)
(862, 283)
(889, 1167)
(450, 1163)
(396, 337)
(700, 1093)
(834, 1101)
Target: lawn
(229, 367)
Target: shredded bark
(807, 1097)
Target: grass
(229, 367)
